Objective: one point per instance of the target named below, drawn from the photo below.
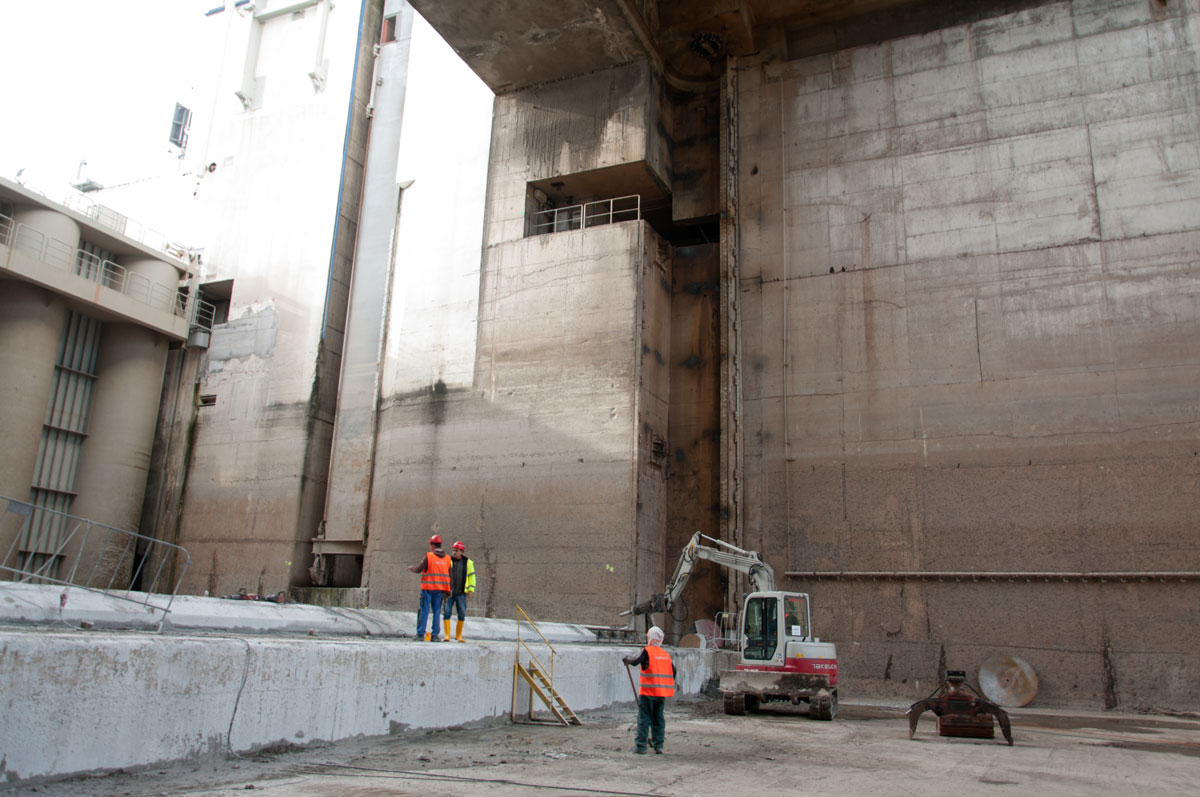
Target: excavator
(780, 659)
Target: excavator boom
(761, 575)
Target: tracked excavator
(780, 659)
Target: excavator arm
(762, 577)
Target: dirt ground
(865, 750)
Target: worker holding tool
(462, 584)
(657, 684)
(434, 568)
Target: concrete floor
(865, 750)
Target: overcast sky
(94, 80)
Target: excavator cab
(761, 637)
(775, 623)
(781, 661)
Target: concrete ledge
(92, 701)
(41, 605)
(87, 685)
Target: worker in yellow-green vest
(462, 584)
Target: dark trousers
(651, 722)
(455, 603)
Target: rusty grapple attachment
(960, 710)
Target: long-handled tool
(631, 686)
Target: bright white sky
(95, 80)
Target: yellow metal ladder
(540, 681)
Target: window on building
(181, 123)
(389, 29)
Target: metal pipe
(1016, 575)
(262, 16)
(317, 75)
(375, 80)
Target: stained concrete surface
(865, 749)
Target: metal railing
(89, 555)
(539, 680)
(591, 214)
(120, 223)
(203, 314)
(728, 632)
(521, 645)
(114, 276)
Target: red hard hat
(436, 539)
(458, 546)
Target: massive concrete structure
(947, 328)
(90, 305)
(901, 294)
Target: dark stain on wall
(1110, 676)
(212, 575)
(695, 288)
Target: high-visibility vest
(657, 678)
(437, 573)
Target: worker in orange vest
(657, 684)
(434, 568)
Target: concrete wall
(533, 452)
(653, 444)
(277, 216)
(185, 697)
(970, 302)
(568, 127)
(532, 463)
(282, 209)
(693, 483)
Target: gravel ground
(866, 749)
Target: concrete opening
(609, 196)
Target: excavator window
(762, 629)
(795, 618)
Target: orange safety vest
(657, 678)
(437, 573)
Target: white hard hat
(655, 633)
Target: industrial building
(91, 303)
(903, 294)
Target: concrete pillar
(111, 481)
(52, 225)
(159, 280)
(31, 327)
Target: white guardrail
(60, 254)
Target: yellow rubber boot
(457, 631)
(426, 636)
(446, 638)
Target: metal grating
(63, 435)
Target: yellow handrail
(521, 644)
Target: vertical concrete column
(31, 327)
(53, 225)
(159, 280)
(116, 456)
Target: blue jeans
(651, 722)
(431, 607)
(456, 602)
